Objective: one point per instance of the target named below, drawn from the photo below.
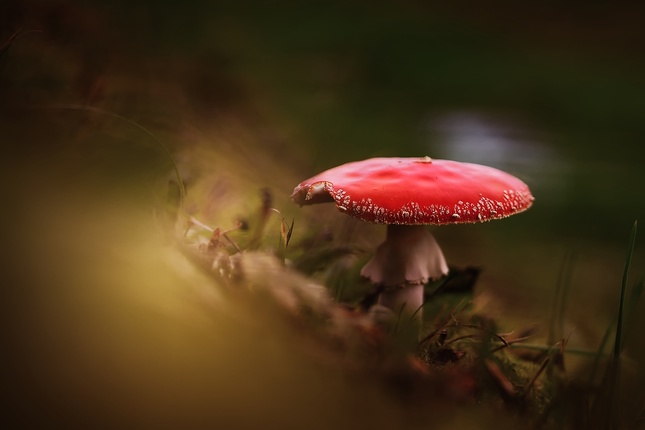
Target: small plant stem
(444, 325)
(543, 365)
(623, 288)
(164, 148)
(563, 285)
(537, 347)
(614, 365)
(195, 221)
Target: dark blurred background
(552, 92)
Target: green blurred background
(255, 94)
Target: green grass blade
(546, 348)
(618, 344)
(601, 351)
(634, 298)
(610, 414)
(563, 285)
(631, 307)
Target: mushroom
(407, 194)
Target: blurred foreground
(109, 322)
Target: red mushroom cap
(417, 191)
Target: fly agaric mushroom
(407, 194)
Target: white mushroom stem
(408, 258)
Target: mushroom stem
(406, 260)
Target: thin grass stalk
(614, 365)
(163, 146)
(634, 298)
(618, 344)
(562, 288)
